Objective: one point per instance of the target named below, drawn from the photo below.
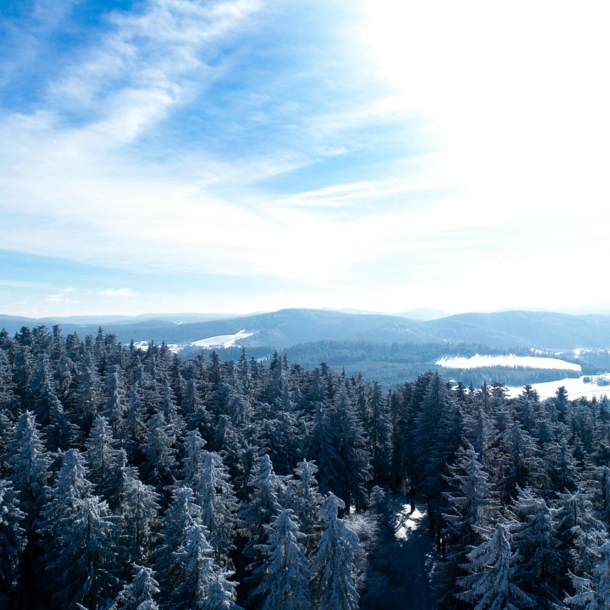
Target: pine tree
(578, 529)
(333, 584)
(160, 452)
(135, 423)
(214, 493)
(380, 435)
(140, 593)
(350, 446)
(431, 448)
(12, 543)
(197, 567)
(52, 418)
(322, 449)
(221, 593)
(536, 541)
(101, 453)
(471, 504)
(491, 580)
(193, 457)
(303, 497)
(88, 394)
(30, 465)
(116, 405)
(593, 593)
(81, 539)
(138, 507)
(182, 513)
(262, 509)
(284, 574)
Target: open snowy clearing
(510, 360)
(575, 386)
(408, 521)
(222, 340)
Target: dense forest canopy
(135, 478)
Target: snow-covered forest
(134, 479)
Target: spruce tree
(140, 593)
(333, 583)
(490, 583)
(197, 570)
(12, 544)
(180, 516)
(284, 574)
(81, 540)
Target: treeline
(393, 364)
(136, 479)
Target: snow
(408, 521)
(510, 360)
(172, 347)
(575, 386)
(210, 342)
(222, 340)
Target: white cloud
(516, 105)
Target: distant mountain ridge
(287, 327)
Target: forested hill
(288, 327)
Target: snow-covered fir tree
(284, 574)
(490, 583)
(332, 568)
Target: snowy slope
(510, 360)
(575, 386)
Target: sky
(250, 155)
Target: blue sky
(247, 155)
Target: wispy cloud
(329, 146)
(118, 292)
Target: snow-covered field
(575, 386)
(209, 343)
(222, 340)
(173, 347)
(510, 360)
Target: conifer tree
(81, 540)
(538, 546)
(593, 592)
(30, 465)
(491, 579)
(221, 593)
(284, 574)
(471, 504)
(12, 543)
(116, 405)
(182, 513)
(52, 418)
(101, 453)
(379, 434)
(197, 570)
(214, 493)
(160, 452)
(88, 398)
(322, 449)
(138, 506)
(333, 583)
(140, 593)
(578, 529)
(303, 497)
(350, 446)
